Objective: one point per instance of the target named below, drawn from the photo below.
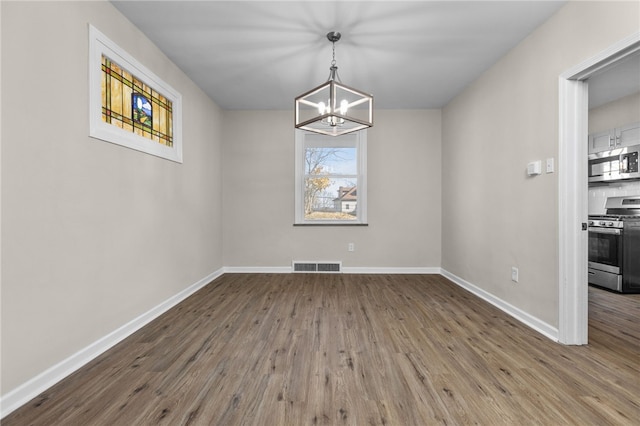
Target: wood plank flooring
(311, 349)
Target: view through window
(330, 179)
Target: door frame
(573, 189)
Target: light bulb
(321, 108)
(344, 105)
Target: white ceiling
(262, 54)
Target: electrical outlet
(514, 274)
(351, 247)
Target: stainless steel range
(614, 246)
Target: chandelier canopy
(333, 108)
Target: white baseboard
(369, 270)
(32, 388)
(525, 318)
(257, 269)
(346, 270)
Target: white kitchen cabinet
(628, 135)
(615, 138)
(602, 141)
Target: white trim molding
(572, 206)
(43, 381)
(572, 188)
(257, 269)
(392, 270)
(517, 313)
(345, 270)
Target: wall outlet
(351, 247)
(514, 274)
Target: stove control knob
(590, 223)
(603, 223)
(610, 224)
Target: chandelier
(332, 108)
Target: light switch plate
(550, 165)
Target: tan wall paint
(403, 194)
(494, 216)
(615, 114)
(93, 234)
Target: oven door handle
(611, 231)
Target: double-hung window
(331, 184)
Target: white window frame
(99, 45)
(361, 147)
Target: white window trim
(99, 45)
(361, 145)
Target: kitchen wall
(493, 215)
(93, 234)
(403, 195)
(617, 113)
(598, 194)
(620, 112)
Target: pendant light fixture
(332, 108)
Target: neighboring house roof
(347, 194)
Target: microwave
(613, 165)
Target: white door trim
(572, 203)
(573, 190)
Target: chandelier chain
(333, 62)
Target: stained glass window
(132, 105)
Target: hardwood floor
(305, 349)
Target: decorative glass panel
(130, 104)
(142, 112)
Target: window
(129, 105)
(331, 186)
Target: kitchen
(614, 178)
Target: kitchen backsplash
(598, 194)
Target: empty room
(320, 212)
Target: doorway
(573, 190)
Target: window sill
(330, 224)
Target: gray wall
(494, 216)
(403, 195)
(93, 234)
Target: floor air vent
(321, 267)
